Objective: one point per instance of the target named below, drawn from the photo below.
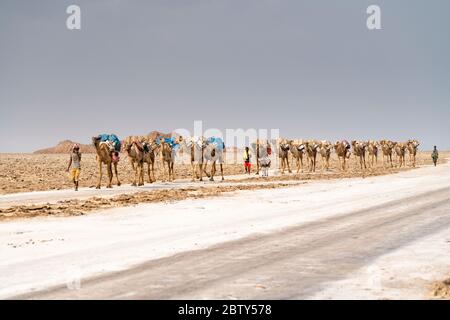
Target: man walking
(75, 164)
(435, 156)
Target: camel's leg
(110, 175)
(117, 175)
(213, 171)
(171, 170)
(205, 171)
(315, 160)
(100, 170)
(164, 171)
(141, 174)
(153, 170)
(297, 162)
(200, 167)
(135, 174)
(149, 172)
(221, 171)
(194, 173)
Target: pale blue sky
(310, 68)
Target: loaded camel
(283, 153)
(194, 147)
(135, 151)
(213, 152)
(167, 153)
(412, 146)
(359, 150)
(262, 149)
(298, 149)
(325, 148)
(311, 151)
(400, 150)
(106, 154)
(342, 149)
(372, 149)
(387, 147)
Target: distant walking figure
(435, 156)
(247, 157)
(74, 163)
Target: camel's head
(95, 141)
(284, 144)
(179, 139)
(413, 143)
(313, 145)
(298, 144)
(325, 145)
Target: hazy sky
(310, 68)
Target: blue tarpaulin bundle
(112, 138)
(169, 141)
(218, 142)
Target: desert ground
(40, 172)
(379, 234)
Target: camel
(359, 150)
(312, 147)
(325, 148)
(387, 147)
(342, 149)
(194, 146)
(298, 149)
(400, 150)
(412, 146)
(167, 154)
(135, 151)
(213, 152)
(106, 154)
(283, 153)
(150, 150)
(262, 149)
(372, 149)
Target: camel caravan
(143, 152)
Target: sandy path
(288, 242)
(53, 196)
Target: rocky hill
(65, 147)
